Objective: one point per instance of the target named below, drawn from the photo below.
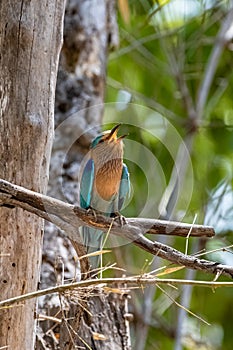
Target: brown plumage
(108, 177)
(104, 184)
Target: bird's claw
(120, 218)
(92, 211)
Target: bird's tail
(92, 240)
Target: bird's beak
(122, 137)
(113, 133)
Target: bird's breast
(107, 179)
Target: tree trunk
(30, 40)
(90, 28)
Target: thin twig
(181, 306)
(137, 281)
(187, 238)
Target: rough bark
(104, 326)
(30, 40)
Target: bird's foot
(118, 217)
(92, 211)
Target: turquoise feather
(102, 146)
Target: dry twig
(136, 281)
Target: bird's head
(108, 145)
(108, 137)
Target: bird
(104, 185)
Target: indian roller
(104, 185)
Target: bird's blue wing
(124, 190)
(86, 184)
(92, 237)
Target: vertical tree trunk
(30, 40)
(90, 27)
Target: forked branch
(69, 217)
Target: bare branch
(61, 214)
(133, 230)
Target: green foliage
(155, 56)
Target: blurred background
(175, 61)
